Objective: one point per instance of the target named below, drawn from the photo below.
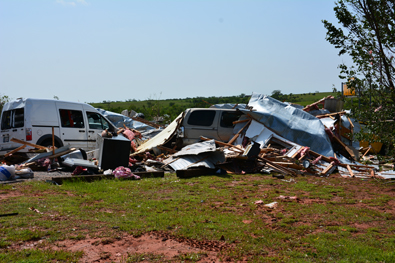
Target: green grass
(329, 223)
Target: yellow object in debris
(376, 146)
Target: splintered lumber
(329, 169)
(308, 107)
(29, 144)
(15, 150)
(350, 171)
(222, 143)
(166, 149)
(236, 122)
(276, 166)
(238, 133)
(290, 165)
(330, 114)
(297, 152)
(157, 126)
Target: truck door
(96, 124)
(73, 129)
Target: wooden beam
(331, 114)
(238, 133)
(222, 143)
(15, 150)
(29, 144)
(350, 171)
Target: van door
(12, 126)
(96, 124)
(202, 122)
(225, 127)
(73, 129)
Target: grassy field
(325, 220)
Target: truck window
(97, 122)
(13, 119)
(228, 117)
(71, 118)
(201, 117)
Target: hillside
(173, 107)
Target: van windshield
(13, 119)
(97, 122)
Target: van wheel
(48, 143)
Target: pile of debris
(273, 137)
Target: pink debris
(124, 172)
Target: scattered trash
(123, 172)
(35, 210)
(272, 205)
(7, 172)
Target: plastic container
(7, 172)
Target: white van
(31, 120)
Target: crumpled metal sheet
(291, 123)
(197, 148)
(207, 159)
(229, 106)
(162, 137)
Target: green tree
(367, 35)
(276, 94)
(3, 100)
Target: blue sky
(95, 50)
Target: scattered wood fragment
(238, 133)
(223, 144)
(15, 150)
(165, 149)
(330, 114)
(29, 144)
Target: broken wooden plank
(29, 144)
(291, 165)
(238, 133)
(279, 167)
(350, 171)
(236, 122)
(329, 169)
(330, 114)
(15, 150)
(163, 148)
(222, 143)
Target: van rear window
(72, 118)
(201, 118)
(13, 119)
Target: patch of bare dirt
(118, 250)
